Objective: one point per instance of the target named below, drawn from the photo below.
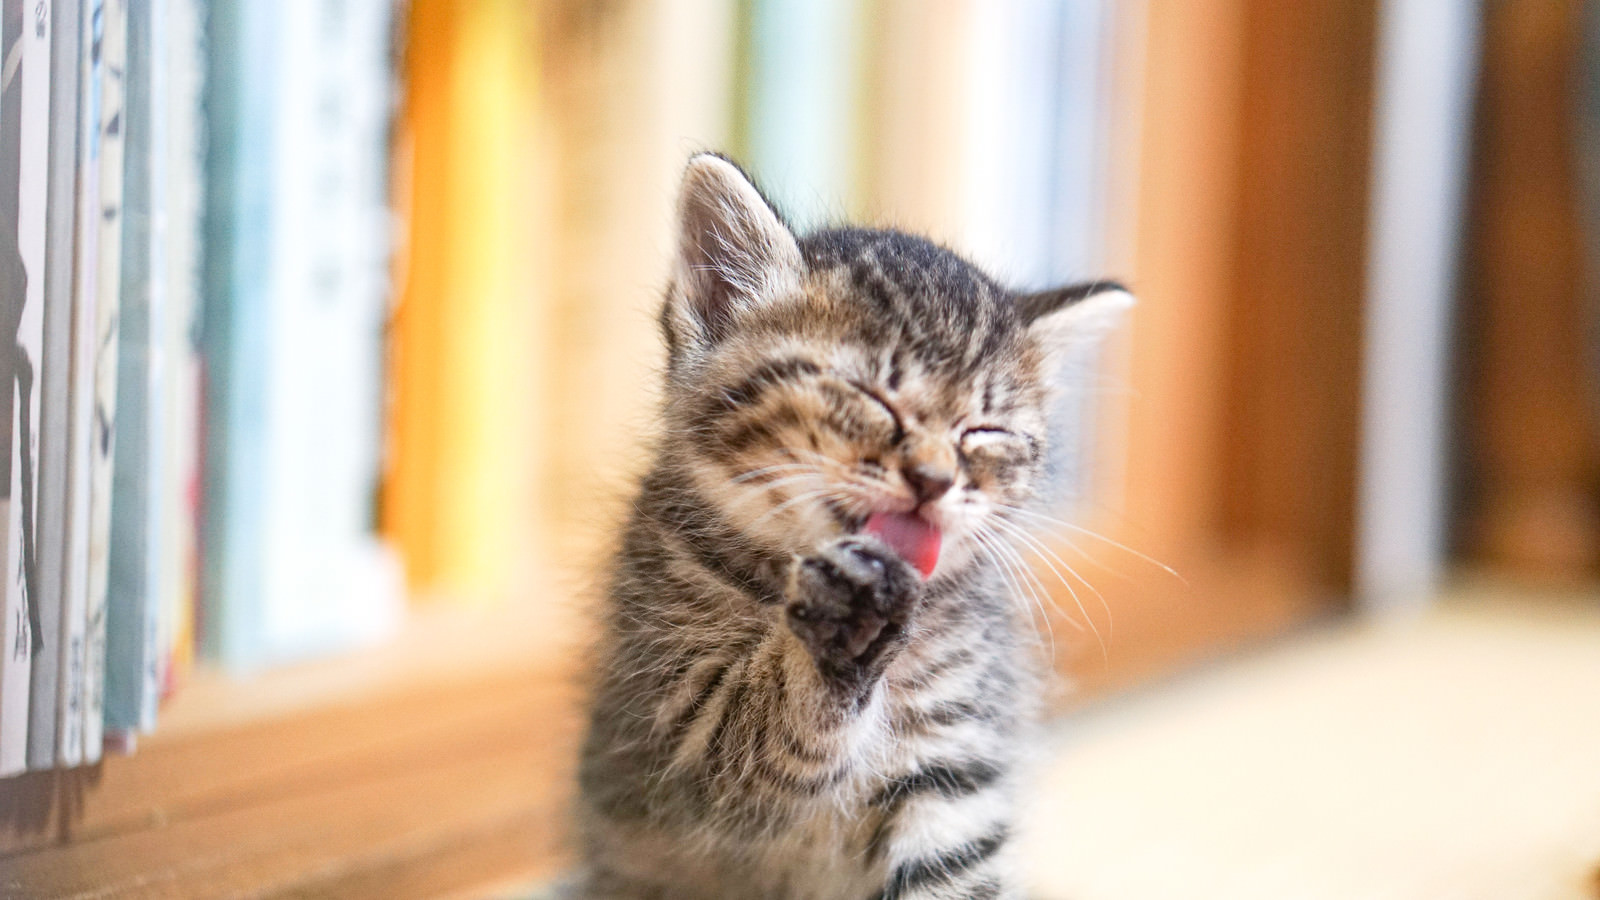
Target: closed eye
(986, 431)
(875, 397)
(992, 440)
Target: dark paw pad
(850, 605)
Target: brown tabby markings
(784, 707)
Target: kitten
(816, 681)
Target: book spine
(296, 334)
(1007, 133)
(33, 91)
(61, 217)
(133, 587)
(13, 296)
(108, 287)
(182, 208)
(802, 105)
(80, 427)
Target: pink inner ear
(909, 535)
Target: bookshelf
(436, 761)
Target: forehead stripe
(765, 376)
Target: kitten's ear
(1072, 316)
(734, 252)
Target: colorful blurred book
(458, 496)
(179, 213)
(298, 235)
(801, 90)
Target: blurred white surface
(1455, 756)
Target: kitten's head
(857, 380)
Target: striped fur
(784, 708)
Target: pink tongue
(910, 536)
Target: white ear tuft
(1075, 316)
(734, 253)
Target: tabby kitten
(815, 678)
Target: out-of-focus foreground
(1325, 602)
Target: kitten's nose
(929, 483)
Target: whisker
(769, 470)
(985, 542)
(1046, 554)
(1105, 652)
(1042, 601)
(1079, 529)
(817, 494)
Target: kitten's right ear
(1062, 318)
(734, 252)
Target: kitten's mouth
(910, 535)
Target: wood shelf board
(275, 845)
(333, 810)
(296, 729)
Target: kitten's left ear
(1066, 317)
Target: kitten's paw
(850, 604)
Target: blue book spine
(133, 664)
(801, 105)
(239, 218)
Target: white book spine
(20, 592)
(15, 648)
(108, 218)
(54, 381)
(179, 207)
(326, 582)
(80, 427)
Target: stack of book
(194, 244)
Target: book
(54, 381)
(622, 113)
(1007, 142)
(458, 490)
(133, 583)
(24, 159)
(801, 99)
(72, 689)
(16, 651)
(991, 135)
(910, 146)
(298, 235)
(181, 210)
(113, 43)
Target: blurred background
(1332, 621)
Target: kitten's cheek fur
(850, 604)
